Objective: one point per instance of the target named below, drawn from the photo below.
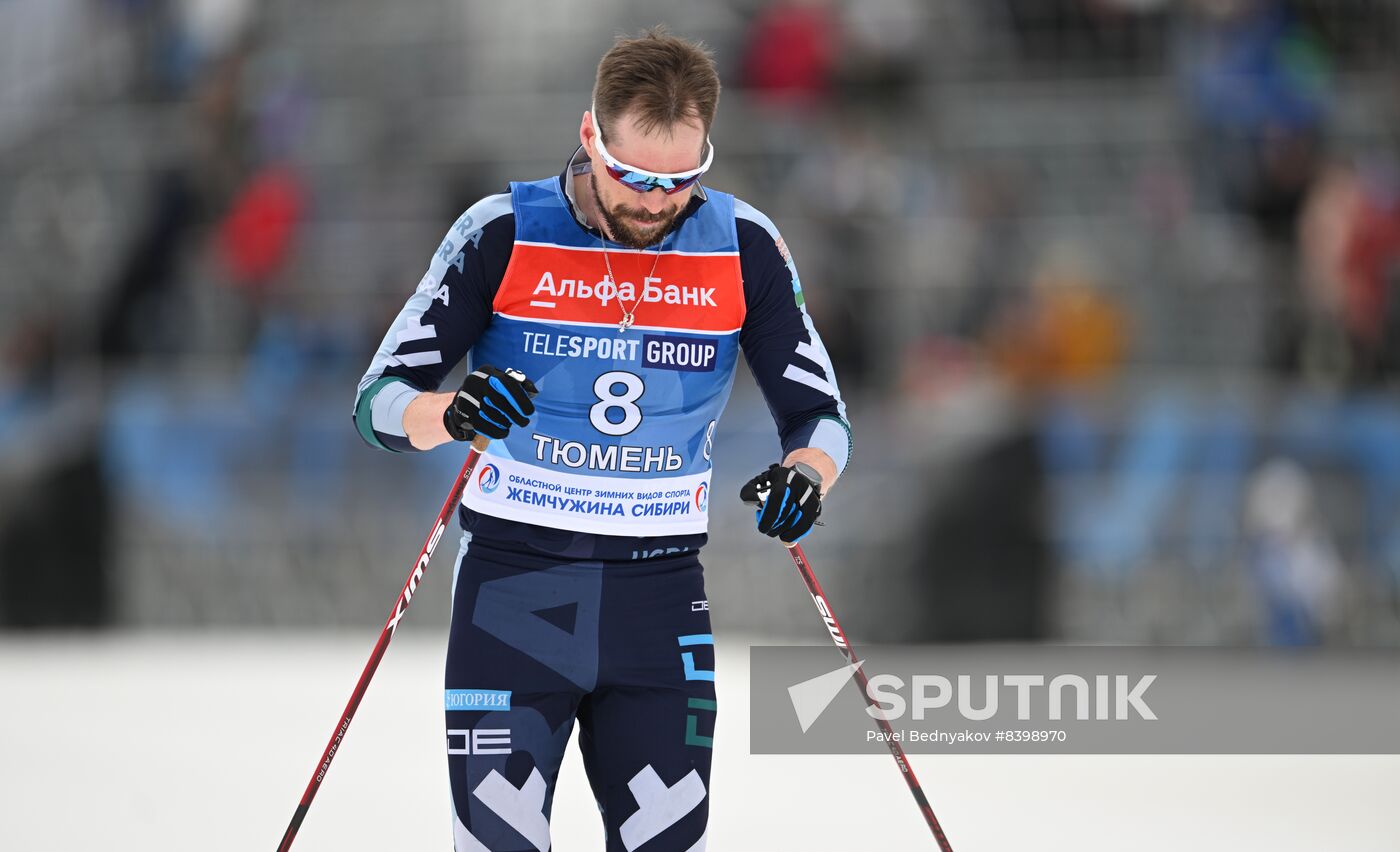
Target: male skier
(624, 291)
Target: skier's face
(639, 219)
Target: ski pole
(415, 576)
(838, 636)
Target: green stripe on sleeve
(364, 416)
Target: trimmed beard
(622, 231)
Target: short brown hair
(664, 78)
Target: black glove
(489, 401)
(788, 502)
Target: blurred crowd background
(1112, 288)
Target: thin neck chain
(629, 314)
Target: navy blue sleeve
(782, 347)
(439, 323)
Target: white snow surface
(201, 741)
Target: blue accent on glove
(493, 413)
(496, 383)
(797, 508)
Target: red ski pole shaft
(410, 586)
(838, 636)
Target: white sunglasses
(641, 180)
